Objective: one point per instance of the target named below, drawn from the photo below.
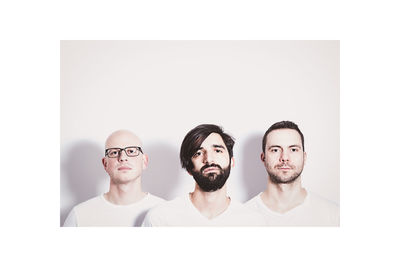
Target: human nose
(208, 158)
(122, 155)
(284, 156)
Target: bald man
(125, 204)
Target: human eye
(273, 150)
(198, 153)
(113, 152)
(295, 149)
(130, 150)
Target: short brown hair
(282, 125)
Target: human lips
(284, 168)
(211, 169)
(124, 168)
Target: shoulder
(249, 216)
(170, 205)
(325, 208)
(321, 202)
(71, 219)
(155, 200)
(165, 209)
(254, 202)
(90, 203)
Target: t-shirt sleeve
(70, 221)
(146, 221)
(335, 216)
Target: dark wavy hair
(282, 125)
(193, 140)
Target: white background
(162, 89)
(30, 113)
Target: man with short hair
(285, 202)
(125, 204)
(207, 155)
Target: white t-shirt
(182, 212)
(315, 211)
(100, 212)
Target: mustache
(284, 165)
(210, 165)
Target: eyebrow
(219, 146)
(289, 146)
(295, 146)
(215, 146)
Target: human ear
(145, 161)
(262, 156)
(305, 157)
(104, 161)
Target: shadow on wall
(162, 174)
(83, 173)
(254, 176)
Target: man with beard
(285, 202)
(125, 204)
(207, 155)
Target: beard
(276, 179)
(212, 181)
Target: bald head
(124, 169)
(122, 138)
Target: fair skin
(212, 150)
(125, 172)
(284, 158)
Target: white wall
(162, 89)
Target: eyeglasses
(130, 151)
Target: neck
(125, 194)
(283, 197)
(210, 204)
